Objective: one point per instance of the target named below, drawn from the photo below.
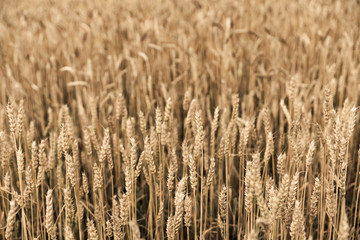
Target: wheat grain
(50, 225)
(10, 221)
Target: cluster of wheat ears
(197, 119)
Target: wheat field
(193, 119)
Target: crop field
(192, 119)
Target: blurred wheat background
(184, 119)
